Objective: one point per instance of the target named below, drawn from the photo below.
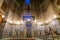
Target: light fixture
(39, 23)
(35, 20)
(47, 21)
(3, 16)
(55, 16)
(17, 22)
(28, 19)
(21, 21)
(10, 21)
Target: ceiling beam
(17, 3)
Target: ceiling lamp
(39, 23)
(17, 22)
(47, 21)
(35, 20)
(55, 16)
(3, 16)
(21, 22)
(10, 21)
(28, 19)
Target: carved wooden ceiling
(37, 8)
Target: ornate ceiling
(42, 10)
(35, 7)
